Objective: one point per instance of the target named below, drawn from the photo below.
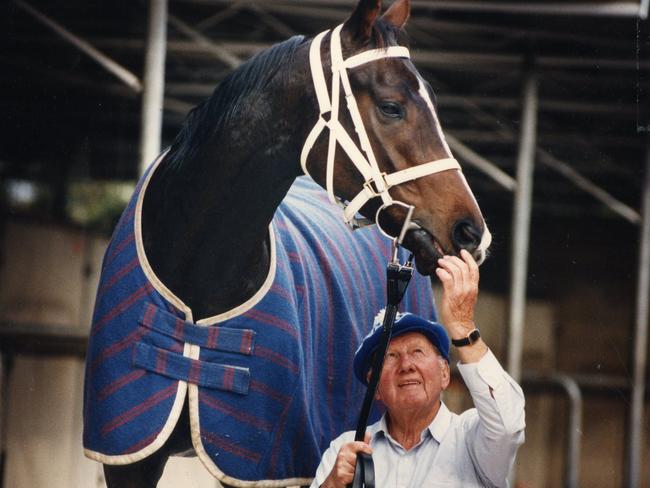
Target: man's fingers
(454, 267)
(473, 266)
(352, 448)
(362, 447)
(444, 275)
(347, 459)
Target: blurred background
(545, 104)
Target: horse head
(398, 157)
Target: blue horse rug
(269, 382)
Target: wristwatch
(471, 338)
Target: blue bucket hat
(404, 322)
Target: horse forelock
(385, 35)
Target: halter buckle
(371, 188)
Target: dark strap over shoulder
(398, 278)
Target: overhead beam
(421, 57)
(546, 105)
(481, 163)
(586, 9)
(219, 17)
(444, 100)
(587, 186)
(565, 169)
(219, 50)
(107, 63)
(548, 137)
(273, 22)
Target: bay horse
(233, 294)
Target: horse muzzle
(427, 248)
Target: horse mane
(215, 112)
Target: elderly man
(419, 442)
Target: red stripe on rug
(142, 444)
(117, 347)
(276, 358)
(226, 445)
(119, 248)
(272, 320)
(118, 275)
(234, 413)
(121, 307)
(266, 390)
(119, 383)
(139, 409)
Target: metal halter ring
(406, 225)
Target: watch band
(471, 338)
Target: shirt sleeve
(495, 434)
(329, 458)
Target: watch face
(474, 335)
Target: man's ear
(359, 26)
(398, 13)
(446, 374)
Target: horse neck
(205, 228)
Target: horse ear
(359, 26)
(398, 13)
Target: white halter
(376, 183)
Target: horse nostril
(465, 235)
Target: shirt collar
(438, 426)
(441, 422)
(378, 428)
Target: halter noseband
(376, 183)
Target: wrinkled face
(414, 374)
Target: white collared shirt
(474, 449)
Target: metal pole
(574, 421)
(154, 83)
(6, 365)
(574, 431)
(3, 407)
(521, 224)
(636, 425)
(643, 9)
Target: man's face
(414, 374)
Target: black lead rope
(398, 277)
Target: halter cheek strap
(376, 183)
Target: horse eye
(391, 109)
